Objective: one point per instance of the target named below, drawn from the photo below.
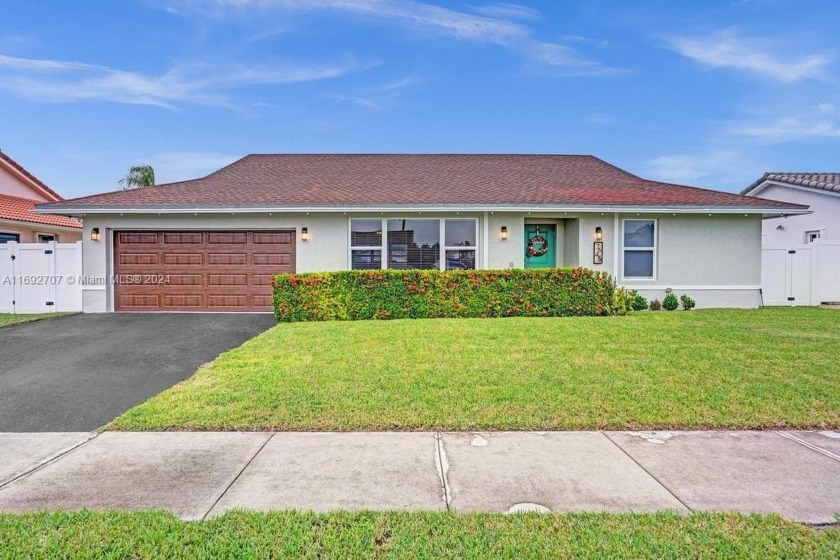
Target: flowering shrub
(417, 294)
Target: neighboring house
(213, 244)
(20, 191)
(820, 191)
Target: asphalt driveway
(77, 373)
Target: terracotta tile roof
(820, 181)
(4, 158)
(371, 180)
(20, 210)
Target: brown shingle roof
(330, 181)
(820, 181)
(20, 210)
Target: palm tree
(138, 176)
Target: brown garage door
(199, 270)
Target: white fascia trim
(698, 287)
(83, 210)
(768, 183)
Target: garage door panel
(183, 238)
(232, 238)
(134, 238)
(227, 279)
(188, 301)
(273, 259)
(183, 259)
(227, 259)
(201, 271)
(186, 279)
(138, 301)
(276, 238)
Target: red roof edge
(20, 170)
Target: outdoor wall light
(304, 234)
(599, 234)
(94, 234)
(504, 232)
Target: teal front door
(539, 246)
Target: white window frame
(380, 248)
(813, 232)
(653, 249)
(40, 233)
(384, 247)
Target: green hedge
(417, 294)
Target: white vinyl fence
(40, 277)
(801, 274)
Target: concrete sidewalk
(196, 475)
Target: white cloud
(761, 56)
(822, 121)
(497, 26)
(201, 83)
(180, 166)
(377, 97)
(360, 100)
(566, 61)
(786, 129)
(727, 168)
(600, 118)
(506, 10)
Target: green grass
(7, 319)
(239, 534)
(768, 368)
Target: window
(639, 249)
(811, 236)
(7, 237)
(46, 238)
(421, 243)
(365, 244)
(460, 246)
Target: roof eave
(81, 210)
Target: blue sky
(704, 93)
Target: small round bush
(639, 303)
(670, 302)
(655, 305)
(688, 303)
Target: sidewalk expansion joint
(647, 472)
(809, 445)
(49, 459)
(442, 464)
(239, 474)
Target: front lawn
(768, 368)
(9, 319)
(239, 534)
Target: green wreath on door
(537, 246)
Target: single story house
(213, 244)
(820, 191)
(20, 191)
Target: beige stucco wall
(29, 232)
(10, 184)
(716, 259)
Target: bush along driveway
(769, 368)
